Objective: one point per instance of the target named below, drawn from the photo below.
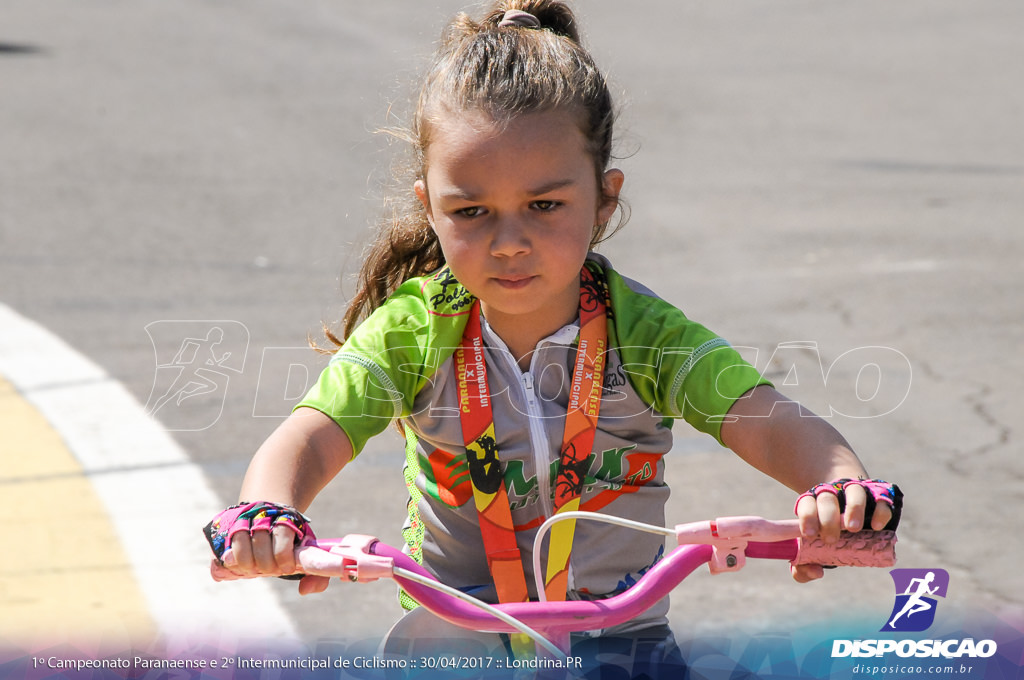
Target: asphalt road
(846, 176)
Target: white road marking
(156, 497)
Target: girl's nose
(510, 238)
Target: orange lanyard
(489, 491)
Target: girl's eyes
(473, 211)
(478, 211)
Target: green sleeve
(376, 375)
(678, 366)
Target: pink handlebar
(734, 538)
(556, 618)
(724, 543)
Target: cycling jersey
(660, 367)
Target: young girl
(529, 376)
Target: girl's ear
(420, 188)
(611, 185)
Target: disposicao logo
(916, 590)
(913, 612)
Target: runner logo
(194, 364)
(916, 590)
(913, 612)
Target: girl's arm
(291, 467)
(799, 449)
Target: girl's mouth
(514, 282)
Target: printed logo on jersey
(915, 605)
(610, 474)
(451, 297)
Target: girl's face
(514, 207)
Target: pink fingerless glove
(878, 492)
(251, 517)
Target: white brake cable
(597, 517)
(490, 609)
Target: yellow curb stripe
(68, 576)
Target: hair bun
(517, 17)
(552, 15)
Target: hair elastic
(517, 17)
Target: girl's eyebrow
(460, 194)
(553, 186)
(457, 195)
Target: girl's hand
(845, 505)
(787, 442)
(251, 540)
(269, 553)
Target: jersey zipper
(542, 457)
(541, 447)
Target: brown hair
(504, 72)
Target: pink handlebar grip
(351, 558)
(863, 549)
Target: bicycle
(724, 544)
